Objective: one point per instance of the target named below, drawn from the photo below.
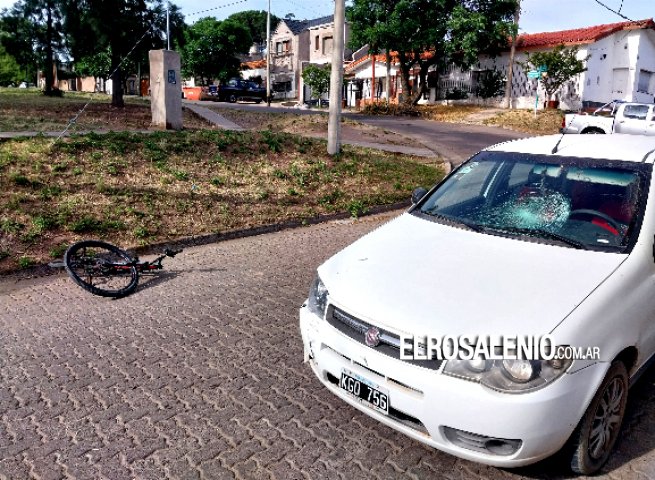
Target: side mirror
(418, 194)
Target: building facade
(296, 44)
(620, 61)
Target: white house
(620, 65)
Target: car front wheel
(599, 428)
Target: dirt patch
(545, 122)
(313, 125)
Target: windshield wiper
(539, 232)
(458, 221)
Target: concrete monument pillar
(165, 89)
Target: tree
(96, 66)
(255, 22)
(492, 84)
(212, 47)
(10, 72)
(561, 65)
(18, 38)
(318, 79)
(33, 33)
(127, 29)
(453, 31)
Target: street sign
(534, 74)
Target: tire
(596, 434)
(101, 268)
(595, 131)
(233, 98)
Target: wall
(612, 73)
(646, 55)
(319, 56)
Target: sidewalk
(220, 121)
(213, 117)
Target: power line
(307, 9)
(614, 11)
(73, 120)
(217, 8)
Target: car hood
(420, 277)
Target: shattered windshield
(579, 203)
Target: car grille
(389, 342)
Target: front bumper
(426, 405)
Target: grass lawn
(140, 188)
(29, 110)
(546, 121)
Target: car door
(633, 119)
(650, 123)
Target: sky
(536, 15)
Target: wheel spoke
(94, 267)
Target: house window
(282, 87)
(278, 47)
(287, 46)
(316, 44)
(327, 45)
(645, 78)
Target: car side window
(636, 112)
(470, 179)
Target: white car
(547, 238)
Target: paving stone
(200, 376)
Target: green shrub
(386, 108)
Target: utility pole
(168, 25)
(336, 78)
(512, 52)
(268, 55)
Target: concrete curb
(43, 270)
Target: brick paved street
(199, 374)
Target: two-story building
(296, 44)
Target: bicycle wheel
(101, 268)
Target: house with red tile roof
(621, 65)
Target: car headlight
(317, 301)
(510, 376)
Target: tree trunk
(405, 67)
(388, 76)
(117, 89)
(49, 76)
(422, 83)
(512, 54)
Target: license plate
(364, 390)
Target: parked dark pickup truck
(237, 89)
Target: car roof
(631, 148)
